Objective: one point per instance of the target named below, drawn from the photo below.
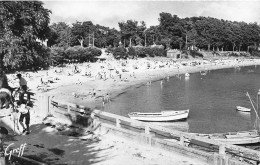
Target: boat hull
(243, 109)
(160, 116)
(245, 137)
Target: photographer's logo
(18, 151)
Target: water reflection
(244, 115)
(178, 125)
(186, 91)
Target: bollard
(44, 105)
(118, 123)
(222, 149)
(181, 140)
(50, 105)
(147, 137)
(241, 156)
(147, 130)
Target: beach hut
(173, 53)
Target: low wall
(207, 150)
(8, 124)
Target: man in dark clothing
(22, 89)
(25, 114)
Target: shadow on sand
(46, 144)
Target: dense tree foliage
(172, 32)
(60, 35)
(131, 32)
(119, 52)
(22, 23)
(81, 54)
(208, 33)
(131, 52)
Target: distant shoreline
(116, 87)
(190, 69)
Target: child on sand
(15, 118)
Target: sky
(109, 13)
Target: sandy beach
(86, 84)
(114, 77)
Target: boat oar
(247, 94)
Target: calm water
(211, 99)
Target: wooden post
(118, 123)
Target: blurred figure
(22, 89)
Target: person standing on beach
(107, 98)
(25, 114)
(22, 89)
(94, 93)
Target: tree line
(172, 32)
(23, 23)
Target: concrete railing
(209, 150)
(149, 129)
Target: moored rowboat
(160, 116)
(244, 109)
(203, 73)
(243, 137)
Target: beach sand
(132, 78)
(48, 144)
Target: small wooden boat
(187, 75)
(160, 116)
(239, 108)
(203, 73)
(243, 137)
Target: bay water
(211, 99)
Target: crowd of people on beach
(104, 72)
(114, 70)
